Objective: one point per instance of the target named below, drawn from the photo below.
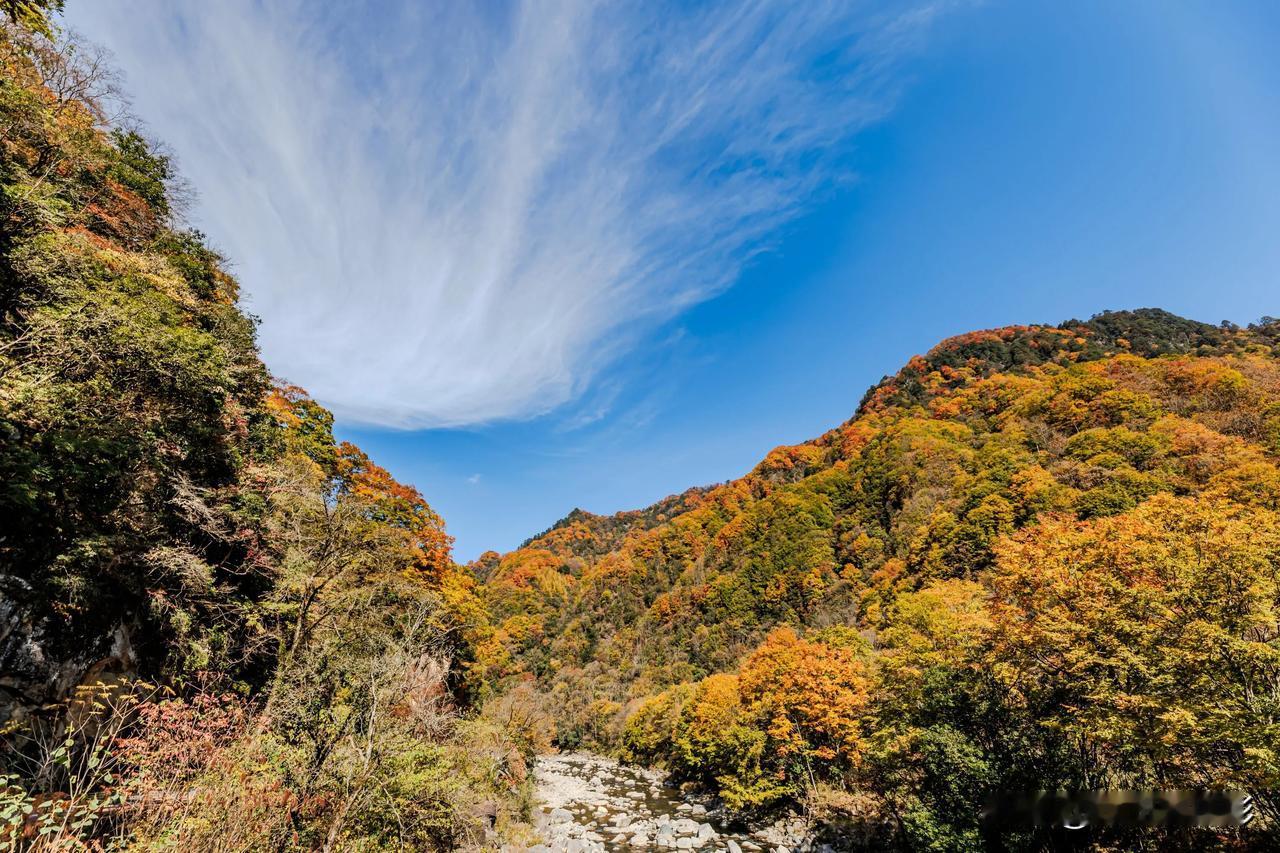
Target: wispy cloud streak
(448, 216)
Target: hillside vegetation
(1037, 557)
(219, 629)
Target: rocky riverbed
(590, 803)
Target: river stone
(698, 809)
(684, 843)
(706, 831)
(684, 826)
(639, 840)
(561, 815)
(734, 846)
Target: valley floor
(592, 803)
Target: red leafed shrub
(176, 739)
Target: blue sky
(710, 229)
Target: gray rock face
(39, 665)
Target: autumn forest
(1036, 557)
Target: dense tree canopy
(219, 628)
(1038, 557)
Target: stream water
(590, 803)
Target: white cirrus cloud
(461, 213)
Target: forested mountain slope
(1036, 557)
(219, 629)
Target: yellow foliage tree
(1150, 640)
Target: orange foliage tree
(399, 506)
(811, 694)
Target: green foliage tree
(223, 630)
(32, 14)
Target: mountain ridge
(1147, 332)
(851, 624)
